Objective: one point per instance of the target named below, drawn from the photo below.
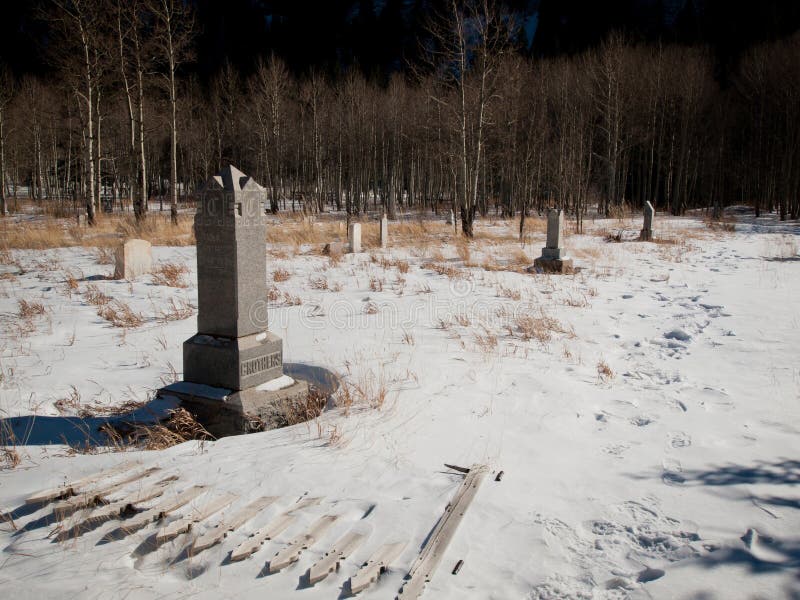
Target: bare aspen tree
(173, 37)
(470, 41)
(77, 23)
(6, 95)
(130, 23)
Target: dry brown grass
(279, 275)
(318, 283)
(376, 284)
(9, 456)
(486, 340)
(370, 391)
(120, 315)
(178, 428)
(604, 372)
(540, 328)
(506, 292)
(104, 256)
(95, 297)
(51, 232)
(176, 310)
(170, 274)
(29, 310)
(444, 269)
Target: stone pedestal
(354, 237)
(133, 258)
(232, 355)
(647, 229)
(553, 258)
(384, 232)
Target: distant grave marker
(647, 229)
(354, 237)
(553, 258)
(133, 258)
(384, 231)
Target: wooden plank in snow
(292, 552)
(163, 508)
(227, 524)
(272, 529)
(75, 487)
(379, 562)
(96, 495)
(201, 513)
(425, 564)
(329, 563)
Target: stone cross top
(232, 348)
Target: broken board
(215, 535)
(163, 508)
(329, 563)
(275, 527)
(379, 562)
(425, 564)
(75, 487)
(292, 552)
(201, 513)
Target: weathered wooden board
(381, 560)
(329, 563)
(425, 565)
(293, 551)
(228, 524)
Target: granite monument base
(551, 265)
(233, 363)
(226, 412)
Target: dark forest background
(362, 104)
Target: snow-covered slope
(645, 413)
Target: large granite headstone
(553, 258)
(232, 353)
(647, 229)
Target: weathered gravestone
(354, 237)
(384, 231)
(553, 258)
(233, 367)
(647, 230)
(133, 258)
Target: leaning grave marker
(233, 366)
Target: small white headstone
(133, 258)
(384, 231)
(354, 237)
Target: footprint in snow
(672, 472)
(680, 439)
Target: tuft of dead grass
(119, 314)
(170, 274)
(29, 310)
(604, 371)
(176, 310)
(279, 275)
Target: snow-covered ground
(645, 412)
